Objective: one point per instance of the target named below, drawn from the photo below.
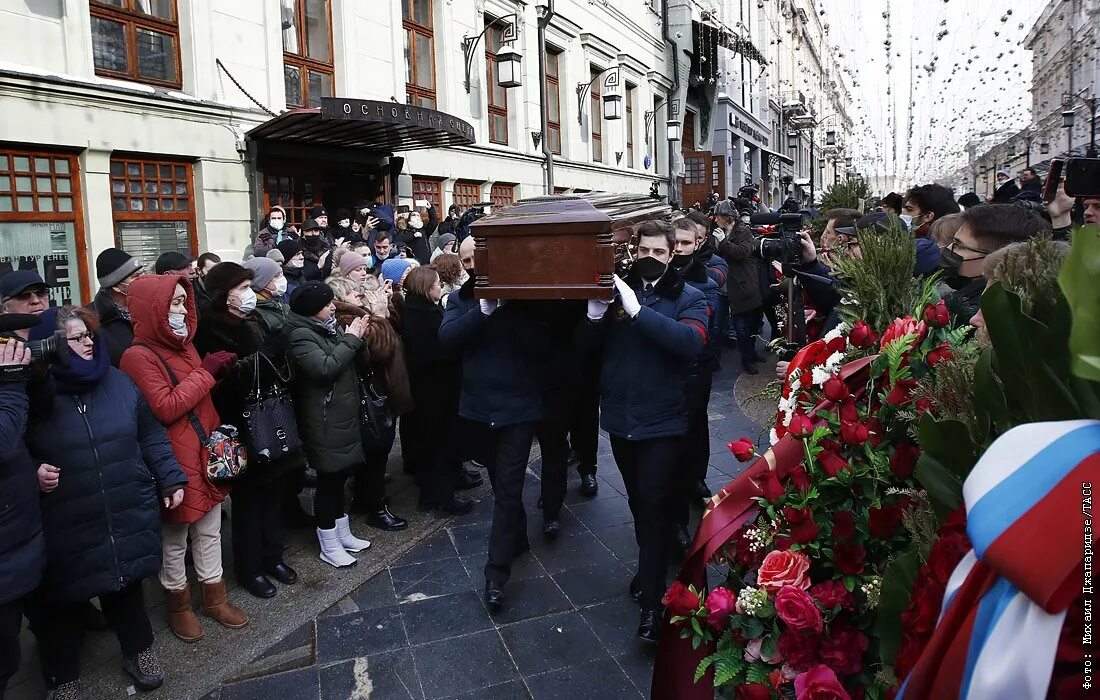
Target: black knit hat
(318, 210)
(114, 265)
(171, 261)
(309, 298)
(289, 248)
(223, 277)
(342, 214)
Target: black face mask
(650, 268)
(951, 262)
(682, 262)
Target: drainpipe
(547, 154)
(673, 194)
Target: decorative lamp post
(509, 67)
(612, 106)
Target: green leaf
(695, 626)
(727, 667)
(758, 673)
(897, 587)
(944, 489)
(989, 396)
(706, 663)
(753, 628)
(1078, 282)
(949, 442)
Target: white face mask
(275, 225)
(296, 263)
(247, 301)
(178, 324)
(416, 222)
(907, 219)
(280, 286)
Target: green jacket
(274, 312)
(326, 393)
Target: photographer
(23, 292)
(22, 544)
(735, 245)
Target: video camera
(785, 246)
(47, 351)
(1082, 177)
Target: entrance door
(697, 165)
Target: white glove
(631, 305)
(488, 306)
(597, 308)
(719, 235)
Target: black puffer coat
(102, 522)
(22, 546)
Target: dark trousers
(584, 428)
(648, 468)
(508, 457)
(60, 630)
(328, 498)
(744, 324)
(257, 530)
(551, 432)
(369, 487)
(431, 455)
(722, 316)
(11, 622)
(695, 445)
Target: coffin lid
(593, 212)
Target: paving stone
(620, 540)
(512, 690)
(526, 566)
(615, 622)
(581, 549)
(472, 539)
(300, 685)
(377, 592)
(531, 598)
(606, 512)
(359, 634)
(433, 548)
(429, 579)
(461, 665)
(390, 675)
(638, 665)
(445, 616)
(297, 650)
(595, 680)
(585, 585)
(551, 642)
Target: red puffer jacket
(149, 299)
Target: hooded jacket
(154, 346)
(115, 328)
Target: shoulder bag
(271, 429)
(376, 419)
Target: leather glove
(597, 308)
(488, 306)
(631, 305)
(218, 363)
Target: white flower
(788, 403)
(787, 416)
(750, 600)
(821, 375)
(832, 365)
(835, 333)
(773, 436)
(872, 590)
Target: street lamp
(848, 162)
(792, 140)
(1067, 124)
(509, 55)
(1044, 147)
(672, 130)
(611, 84)
(612, 106)
(509, 67)
(830, 138)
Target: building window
(431, 190)
(307, 52)
(630, 126)
(553, 102)
(136, 40)
(153, 203)
(419, 53)
(695, 170)
(295, 194)
(467, 194)
(498, 96)
(596, 117)
(41, 221)
(502, 195)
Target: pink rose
(720, 604)
(783, 568)
(902, 327)
(754, 651)
(819, 683)
(796, 608)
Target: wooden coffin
(557, 247)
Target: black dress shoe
(635, 589)
(260, 586)
(589, 486)
(466, 480)
(283, 574)
(471, 471)
(385, 520)
(551, 528)
(649, 627)
(456, 506)
(702, 491)
(494, 596)
(750, 368)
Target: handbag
(376, 420)
(271, 428)
(223, 457)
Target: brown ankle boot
(215, 604)
(181, 618)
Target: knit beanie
(276, 255)
(223, 277)
(309, 298)
(351, 260)
(394, 269)
(263, 271)
(114, 265)
(289, 248)
(445, 239)
(170, 261)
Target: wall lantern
(792, 140)
(673, 130)
(1044, 148)
(830, 138)
(612, 106)
(509, 67)
(1067, 119)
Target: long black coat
(103, 520)
(22, 545)
(743, 280)
(435, 373)
(115, 329)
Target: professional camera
(785, 246)
(49, 350)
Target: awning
(782, 158)
(378, 126)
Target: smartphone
(1083, 177)
(1050, 189)
(423, 203)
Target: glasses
(42, 293)
(81, 337)
(956, 243)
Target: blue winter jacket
(103, 522)
(928, 256)
(698, 276)
(22, 545)
(647, 359)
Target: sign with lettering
(746, 129)
(394, 113)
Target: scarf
(81, 376)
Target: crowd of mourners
(366, 323)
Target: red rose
(798, 650)
(849, 558)
(753, 691)
(776, 678)
(831, 445)
(801, 523)
(862, 336)
(853, 433)
(837, 344)
(719, 606)
(924, 404)
(743, 449)
(937, 315)
(796, 608)
(848, 411)
(783, 569)
(902, 393)
(844, 525)
(801, 426)
(836, 389)
(781, 543)
(746, 558)
(843, 650)
(938, 354)
(874, 426)
(680, 600)
(902, 327)
(883, 523)
(773, 490)
(924, 606)
(831, 463)
(800, 479)
(832, 593)
(819, 683)
(904, 459)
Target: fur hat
(223, 277)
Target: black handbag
(271, 428)
(376, 419)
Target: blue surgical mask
(907, 219)
(178, 324)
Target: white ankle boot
(332, 552)
(347, 540)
